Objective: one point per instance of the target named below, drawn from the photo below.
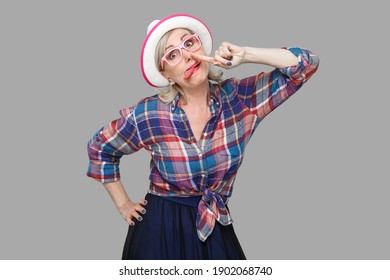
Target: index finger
(203, 58)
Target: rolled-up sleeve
(109, 144)
(264, 92)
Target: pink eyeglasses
(175, 55)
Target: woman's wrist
(252, 55)
(275, 57)
(123, 203)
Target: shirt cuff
(104, 172)
(296, 72)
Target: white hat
(156, 30)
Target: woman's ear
(164, 74)
(167, 77)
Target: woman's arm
(109, 144)
(264, 92)
(105, 149)
(229, 56)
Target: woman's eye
(172, 55)
(189, 43)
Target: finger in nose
(187, 55)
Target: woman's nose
(186, 55)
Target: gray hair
(167, 94)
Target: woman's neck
(197, 97)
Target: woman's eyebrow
(181, 39)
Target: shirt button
(200, 155)
(203, 174)
(205, 134)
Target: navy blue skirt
(168, 232)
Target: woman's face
(188, 72)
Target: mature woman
(196, 130)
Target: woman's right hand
(130, 210)
(227, 56)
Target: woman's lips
(190, 71)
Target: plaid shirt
(182, 167)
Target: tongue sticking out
(190, 72)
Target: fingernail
(132, 223)
(229, 64)
(231, 57)
(143, 211)
(145, 202)
(139, 218)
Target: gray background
(314, 183)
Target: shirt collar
(175, 102)
(214, 97)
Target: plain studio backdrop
(314, 182)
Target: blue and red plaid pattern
(180, 166)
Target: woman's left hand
(227, 56)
